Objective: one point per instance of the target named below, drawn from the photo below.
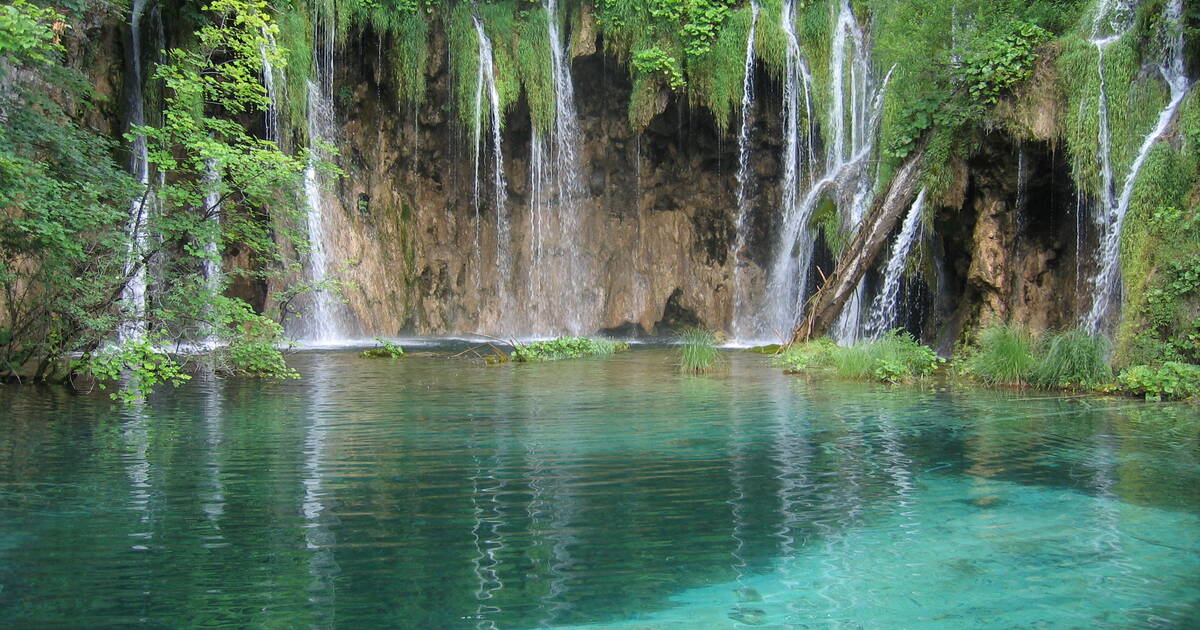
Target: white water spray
(885, 306)
(1107, 281)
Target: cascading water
(268, 50)
(486, 84)
(1107, 280)
(558, 273)
(885, 306)
(212, 246)
(789, 271)
(852, 102)
(741, 305)
(323, 325)
(851, 125)
(133, 296)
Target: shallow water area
(429, 492)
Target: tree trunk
(860, 254)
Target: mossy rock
(771, 348)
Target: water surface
(430, 493)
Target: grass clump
(1170, 381)
(1004, 356)
(385, 350)
(893, 358)
(1075, 358)
(699, 351)
(799, 357)
(566, 348)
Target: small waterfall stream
(789, 270)
(886, 305)
(271, 115)
(742, 305)
(1107, 281)
(212, 247)
(558, 276)
(323, 325)
(851, 125)
(485, 85)
(133, 296)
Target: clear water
(432, 493)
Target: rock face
(1010, 243)
(657, 214)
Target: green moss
(717, 76)
(535, 67)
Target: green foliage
(27, 35)
(1170, 381)
(656, 60)
(566, 348)
(385, 350)
(893, 358)
(808, 355)
(698, 350)
(63, 207)
(138, 365)
(1004, 356)
(1075, 358)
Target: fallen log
(861, 252)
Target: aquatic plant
(385, 350)
(1004, 356)
(1075, 358)
(1171, 380)
(566, 348)
(698, 352)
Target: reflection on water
(431, 493)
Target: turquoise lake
(432, 493)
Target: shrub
(699, 350)
(566, 348)
(1004, 356)
(1075, 358)
(385, 350)
(1171, 381)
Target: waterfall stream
(790, 266)
(1107, 281)
(742, 306)
(133, 296)
(212, 247)
(851, 125)
(486, 86)
(323, 325)
(886, 305)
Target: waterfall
(323, 325)
(851, 97)
(740, 307)
(212, 246)
(1106, 282)
(885, 306)
(133, 295)
(789, 271)
(851, 125)
(558, 271)
(271, 116)
(486, 83)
